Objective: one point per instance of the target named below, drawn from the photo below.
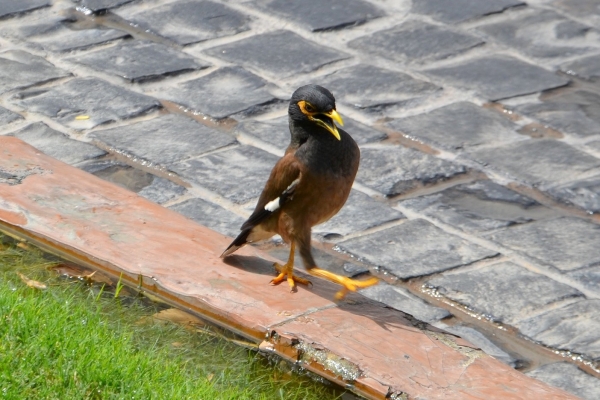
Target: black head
(315, 105)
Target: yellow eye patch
(306, 108)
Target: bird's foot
(287, 271)
(348, 284)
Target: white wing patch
(272, 206)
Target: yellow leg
(288, 270)
(348, 284)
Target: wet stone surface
(7, 116)
(99, 100)
(415, 248)
(210, 215)
(221, 93)
(457, 126)
(238, 174)
(164, 140)
(279, 54)
(191, 21)
(539, 162)
(565, 243)
(19, 69)
(584, 9)
(394, 170)
(453, 11)
(523, 292)
(383, 88)
(573, 327)
(57, 144)
(416, 41)
(13, 7)
(587, 67)
(499, 77)
(568, 377)
(582, 194)
(98, 5)
(478, 207)
(318, 16)
(139, 61)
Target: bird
(306, 187)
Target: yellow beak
(332, 128)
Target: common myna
(307, 186)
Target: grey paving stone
(539, 162)
(575, 112)
(19, 69)
(318, 16)
(98, 99)
(416, 41)
(189, 21)
(210, 215)
(584, 194)
(401, 299)
(453, 11)
(573, 327)
(522, 292)
(359, 213)
(588, 10)
(459, 125)
(415, 248)
(499, 77)
(478, 207)
(13, 7)
(382, 88)
(238, 174)
(56, 144)
(279, 54)
(565, 243)
(395, 169)
(6, 116)
(478, 339)
(588, 277)
(586, 67)
(224, 92)
(137, 60)
(99, 5)
(544, 34)
(568, 377)
(164, 140)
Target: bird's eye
(308, 107)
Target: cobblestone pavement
(479, 124)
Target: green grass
(73, 341)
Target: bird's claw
(285, 271)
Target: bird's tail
(239, 241)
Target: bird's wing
(280, 187)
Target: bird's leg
(348, 284)
(287, 270)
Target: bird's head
(315, 104)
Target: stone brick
(415, 248)
(56, 144)
(238, 174)
(583, 193)
(587, 67)
(394, 170)
(359, 213)
(539, 162)
(522, 292)
(573, 327)
(383, 88)
(224, 92)
(6, 116)
(19, 69)
(457, 126)
(137, 60)
(565, 243)
(280, 54)
(588, 277)
(189, 21)
(99, 5)
(454, 11)
(318, 16)
(568, 377)
(164, 140)
(499, 77)
(402, 300)
(588, 10)
(416, 41)
(13, 7)
(543, 34)
(101, 101)
(478, 207)
(210, 215)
